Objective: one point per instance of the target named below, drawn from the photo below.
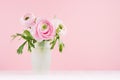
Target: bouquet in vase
(40, 31)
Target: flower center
(26, 18)
(44, 27)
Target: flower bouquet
(40, 36)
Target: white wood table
(60, 75)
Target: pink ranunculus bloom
(28, 20)
(43, 30)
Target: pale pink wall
(92, 40)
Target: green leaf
(27, 33)
(18, 35)
(57, 37)
(25, 37)
(20, 49)
(53, 43)
(61, 45)
(29, 47)
(34, 41)
(21, 35)
(31, 44)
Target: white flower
(57, 22)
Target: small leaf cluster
(57, 38)
(26, 35)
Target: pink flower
(28, 20)
(43, 30)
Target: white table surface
(60, 75)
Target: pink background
(92, 40)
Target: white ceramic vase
(41, 57)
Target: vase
(41, 57)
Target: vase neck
(43, 44)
